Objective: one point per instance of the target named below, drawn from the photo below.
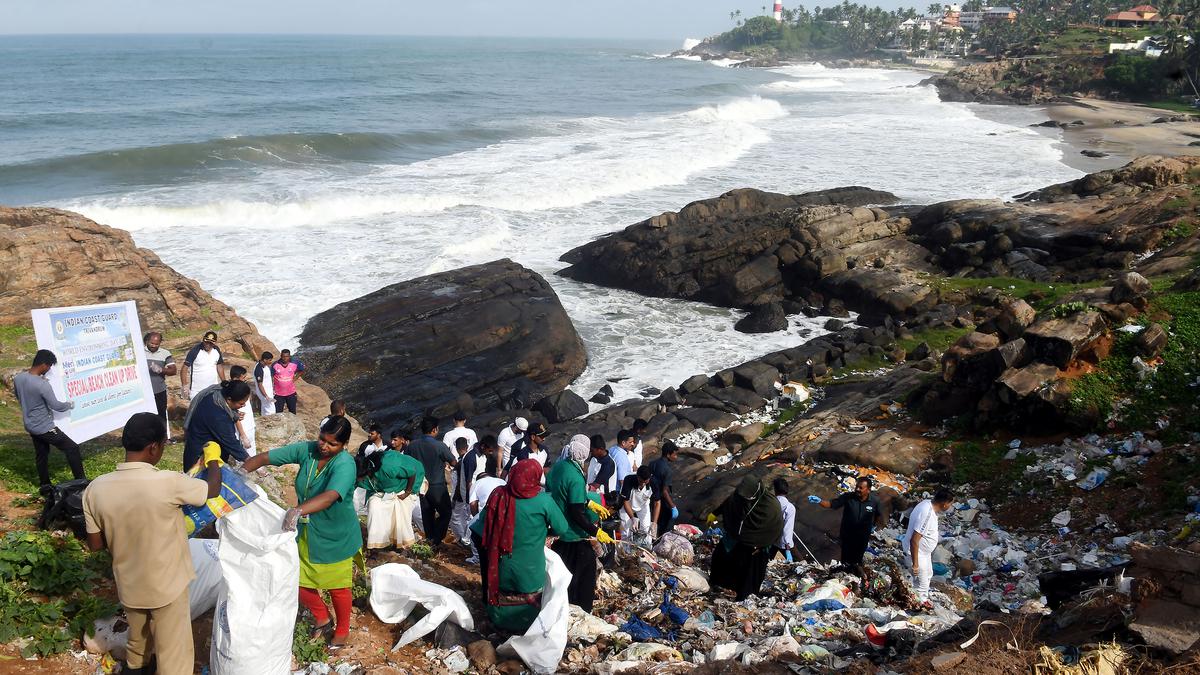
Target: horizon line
(306, 34)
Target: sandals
(336, 643)
(322, 632)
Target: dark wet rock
(766, 318)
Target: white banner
(101, 366)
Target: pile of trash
(1089, 461)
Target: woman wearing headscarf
(328, 536)
(511, 534)
(213, 416)
(752, 520)
(567, 484)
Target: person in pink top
(284, 374)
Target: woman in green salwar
(511, 535)
(328, 535)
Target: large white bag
(397, 589)
(204, 589)
(542, 646)
(256, 608)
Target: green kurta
(394, 472)
(524, 570)
(332, 535)
(567, 485)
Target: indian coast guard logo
(59, 327)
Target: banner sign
(101, 366)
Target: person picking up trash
(922, 537)
(752, 520)
(134, 513)
(635, 509)
(568, 487)
(788, 534)
(328, 534)
(860, 512)
(511, 534)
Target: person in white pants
(922, 537)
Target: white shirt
(635, 457)
(372, 448)
(789, 521)
(923, 520)
(248, 427)
(483, 489)
(204, 370)
(457, 433)
(506, 438)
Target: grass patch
(1170, 392)
(786, 415)
(939, 339)
(983, 462)
(1174, 106)
(1039, 294)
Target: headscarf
(524, 481)
(753, 515)
(579, 449)
(213, 392)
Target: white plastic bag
(542, 646)
(397, 589)
(256, 608)
(204, 589)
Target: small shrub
(44, 562)
(1067, 309)
(306, 649)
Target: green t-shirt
(333, 534)
(394, 471)
(567, 485)
(524, 571)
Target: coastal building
(972, 21)
(1137, 17)
(1148, 46)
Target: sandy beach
(1122, 130)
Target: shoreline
(1123, 131)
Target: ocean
(288, 174)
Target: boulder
(706, 418)
(1017, 383)
(919, 353)
(1151, 341)
(743, 435)
(835, 325)
(693, 383)
(1015, 316)
(273, 431)
(563, 406)
(766, 318)
(1060, 340)
(670, 397)
(1130, 287)
(388, 353)
(758, 377)
(963, 361)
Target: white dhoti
(390, 521)
(248, 427)
(640, 522)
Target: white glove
(289, 520)
(70, 405)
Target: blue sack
(639, 630)
(823, 606)
(235, 493)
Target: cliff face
(55, 258)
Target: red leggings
(311, 598)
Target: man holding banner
(38, 405)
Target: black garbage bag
(1059, 587)
(64, 507)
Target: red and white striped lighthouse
(779, 11)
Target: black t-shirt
(660, 476)
(858, 516)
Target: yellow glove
(603, 537)
(598, 510)
(711, 519)
(212, 453)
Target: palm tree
(934, 9)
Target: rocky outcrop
(481, 338)
(55, 258)
(746, 248)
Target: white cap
(522, 423)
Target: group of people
(758, 522)
(500, 495)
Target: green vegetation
(1068, 308)
(1117, 387)
(976, 462)
(787, 415)
(939, 339)
(305, 648)
(1174, 106)
(1041, 295)
(1179, 231)
(46, 592)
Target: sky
(637, 19)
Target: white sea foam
(690, 43)
(348, 233)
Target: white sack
(204, 589)
(256, 609)
(397, 589)
(542, 646)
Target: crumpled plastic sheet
(397, 589)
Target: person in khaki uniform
(135, 513)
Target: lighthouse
(779, 11)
